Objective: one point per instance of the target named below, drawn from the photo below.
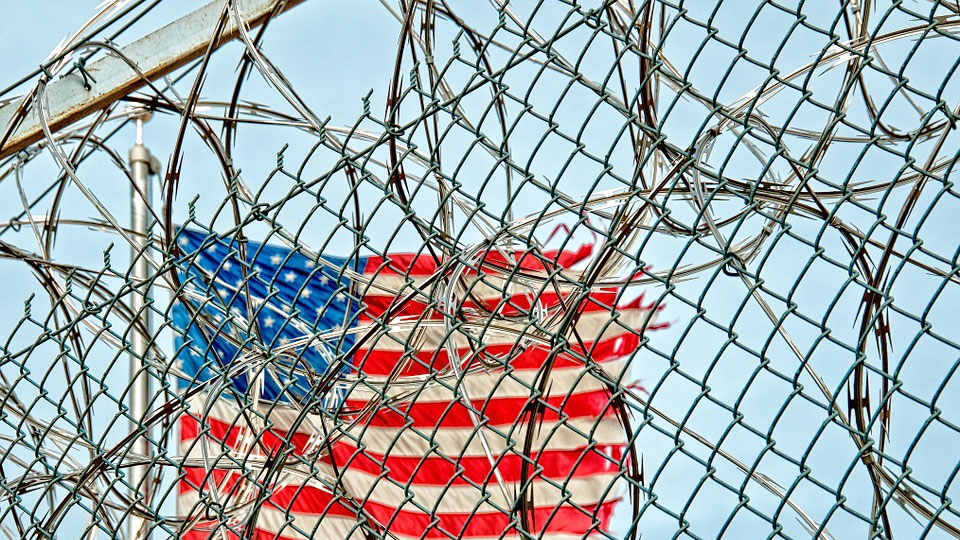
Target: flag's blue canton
(293, 298)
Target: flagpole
(142, 165)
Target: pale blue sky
(334, 52)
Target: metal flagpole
(142, 165)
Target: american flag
(321, 400)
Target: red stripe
(197, 479)
(381, 363)
(199, 533)
(228, 434)
(565, 519)
(412, 264)
(300, 499)
(436, 470)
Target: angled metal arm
(156, 54)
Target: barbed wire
(732, 220)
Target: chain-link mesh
(731, 220)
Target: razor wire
(772, 180)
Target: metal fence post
(142, 165)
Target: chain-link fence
(616, 269)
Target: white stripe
(481, 385)
(463, 499)
(453, 499)
(431, 335)
(491, 286)
(277, 415)
(407, 441)
(453, 442)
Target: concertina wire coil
(612, 269)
